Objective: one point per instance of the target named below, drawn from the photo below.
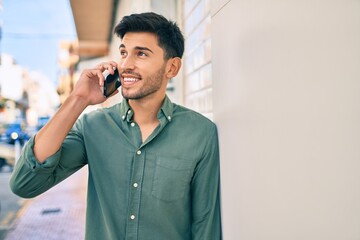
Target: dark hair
(170, 38)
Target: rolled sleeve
(32, 163)
(31, 178)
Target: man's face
(142, 66)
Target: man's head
(169, 36)
(150, 54)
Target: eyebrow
(137, 48)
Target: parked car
(15, 132)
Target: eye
(142, 54)
(123, 53)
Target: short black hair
(170, 38)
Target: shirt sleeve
(206, 220)
(30, 178)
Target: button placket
(135, 192)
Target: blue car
(14, 132)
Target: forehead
(140, 39)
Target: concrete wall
(286, 87)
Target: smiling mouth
(130, 79)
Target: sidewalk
(56, 214)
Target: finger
(100, 77)
(113, 67)
(100, 67)
(103, 66)
(109, 66)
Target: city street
(9, 203)
(60, 211)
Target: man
(153, 165)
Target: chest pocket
(171, 178)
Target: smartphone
(112, 82)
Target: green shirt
(166, 188)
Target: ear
(173, 67)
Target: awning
(94, 22)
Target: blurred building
(13, 97)
(68, 60)
(1, 8)
(42, 96)
(24, 96)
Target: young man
(153, 165)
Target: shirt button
(169, 117)
(135, 185)
(129, 111)
(132, 124)
(138, 152)
(123, 117)
(132, 217)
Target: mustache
(131, 73)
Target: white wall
(286, 88)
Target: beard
(151, 84)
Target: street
(9, 203)
(19, 217)
(56, 214)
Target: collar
(166, 110)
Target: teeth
(130, 79)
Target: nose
(126, 63)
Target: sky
(31, 31)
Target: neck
(145, 110)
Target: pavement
(57, 214)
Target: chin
(133, 96)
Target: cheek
(148, 69)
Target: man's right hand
(88, 87)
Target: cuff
(47, 166)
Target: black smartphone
(112, 82)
